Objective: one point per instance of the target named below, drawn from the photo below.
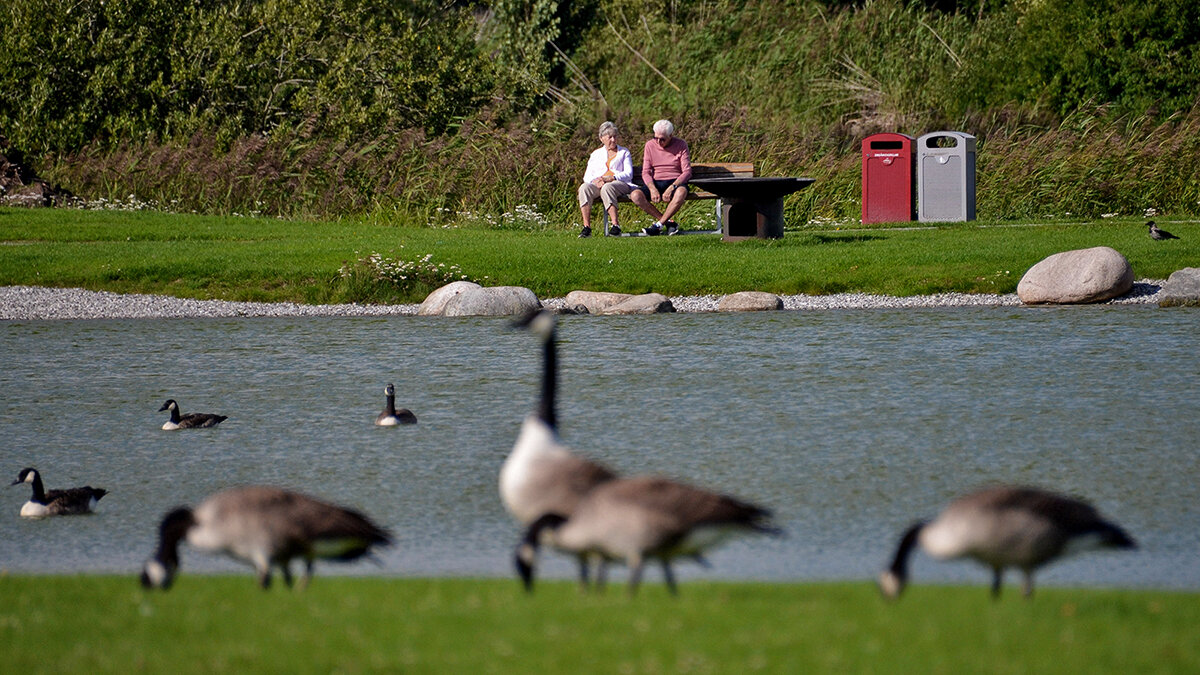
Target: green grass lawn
(226, 624)
(274, 260)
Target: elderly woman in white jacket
(609, 176)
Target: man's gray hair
(608, 129)
(664, 127)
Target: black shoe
(672, 228)
(587, 232)
(614, 231)
(652, 231)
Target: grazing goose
(1006, 527)
(1160, 234)
(190, 420)
(69, 502)
(391, 417)
(266, 527)
(541, 475)
(635, 519)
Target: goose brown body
(1002, 527)
(266, 527)
(64, 502)
(633, 520)
(190, 420)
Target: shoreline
(37, 303)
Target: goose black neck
(175, 414)
(549, 381)
(391, 405)
(175, 526)
(907, 542)
(39, 490)
(533, 535)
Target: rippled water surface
(849, 424)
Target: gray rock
(648, 303)
(435, 302)
(750, 301)
(1182, 289)
(492, 301)
(1076, 277)
(596, 301)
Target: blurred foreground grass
(100, 624)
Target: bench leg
(720, 223)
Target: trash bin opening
(941, 142)
(887, 145)
(742, 220)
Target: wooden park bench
(699, 170)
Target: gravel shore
(27, 303)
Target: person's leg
(642, 201)
(610, 194)
(677, 199)
(587, 194)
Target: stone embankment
(26, 303)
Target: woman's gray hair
(608, 129)
(664, 127)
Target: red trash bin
(889, 188)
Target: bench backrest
(709, 170)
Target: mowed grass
(237, 258)
(225, 624)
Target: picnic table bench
(700, 170)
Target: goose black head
(169, 405)
(27, 475)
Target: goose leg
(635, 574)
(583, 573)
(669, 576)
(285, 569)
(308, 572)
(1027, 584)
(601, 575)
(997, 579)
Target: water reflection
(850, 424)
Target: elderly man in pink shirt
(666, 170)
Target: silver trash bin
(945, 176)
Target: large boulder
(435, 302)
(648, 303)
(493, 301)
(1182, 289)
(1076, 277)
(750, 301)
(595, 301)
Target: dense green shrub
(110, 72)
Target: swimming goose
(636, 519)
(190, 420)
(391, 417)
(265, 527)
(69, 502)
(541, 475)
(1004, 527)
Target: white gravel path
(27, 303)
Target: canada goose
(266, 527)
(1003, 527)
(635, 519)
(69, 502)
(190, 420)
(1156, 233)
(541, 475)
(391, 417)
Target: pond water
(848, 424)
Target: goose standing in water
(1005, 527)
(266, 527)
(190, 420)
(541, 475)
(391, 417)
(68, 502)
(637, 519)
